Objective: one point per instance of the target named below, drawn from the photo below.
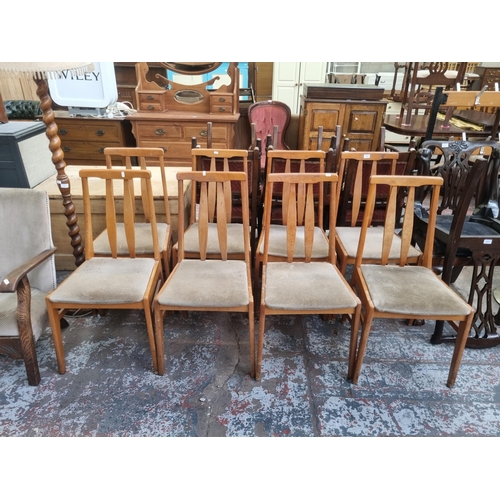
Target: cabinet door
(362, 124)
(315, 114)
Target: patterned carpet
(109, 388)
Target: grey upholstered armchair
(27, 273)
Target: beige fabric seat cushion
(235, 243)
(306, 286)
(411, 290)
(8, 314)
(349, 236)
(143, 239)
(210, 283)
(104, 280)
(277, 243)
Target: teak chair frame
(147, 158)
(335, 294)
(179, 293)
(110, 285)
(404, 299)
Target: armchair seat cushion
(411, 290)
(191, 284)
(234, 239)
(8, 314)
(104, 280)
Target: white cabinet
(289, 79)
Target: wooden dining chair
(310, 286)
(225, 160)
(205, 282)
(292, 161)
(400, 290)
(115, 281)
(144, 159)
(356, 168)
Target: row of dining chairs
(296, 283)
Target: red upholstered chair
(267, 115)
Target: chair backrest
(454, 161)
(395, 184)
(215, 205)
(144, 159)
(25, 231)
(294, 161)
(355, 170)
(299, 208)
(120, 197)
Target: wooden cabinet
(360, 121)
(83, 139)
(173, 131)
(487, 76)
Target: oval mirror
(188, 96)
(191, 68)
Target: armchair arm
(10, 282)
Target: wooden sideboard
(172, 131)
(487, 76)
(83, 139)
(359, 111)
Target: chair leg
(365, 332)
(463, 334)
(260, 344)
(354, 342)
(55, 326)
(251, 331)
(160, 348)
(149, 325)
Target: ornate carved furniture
(402, 290)
(27, 273)
(171, 113)
(307, 287)
(203, 284)
(111, 282)
(462, 239)
(358, 109)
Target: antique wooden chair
(115, 281)
(144, 159)
(27, 273)
(306, 287)
(201, 283)
(401, 290)
(271, 118)
(302, 162)
(467, 232)
(355, 170)
(225, 160)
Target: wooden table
(64, 255)
(418, 128)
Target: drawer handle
(62, 131)
(150, 106)
(101, 150)
(159, 131)
(203, 133)
(164, 149)
(99, 132)
(222, 110)
(222, 99)
(150, 97)
(66, 149)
